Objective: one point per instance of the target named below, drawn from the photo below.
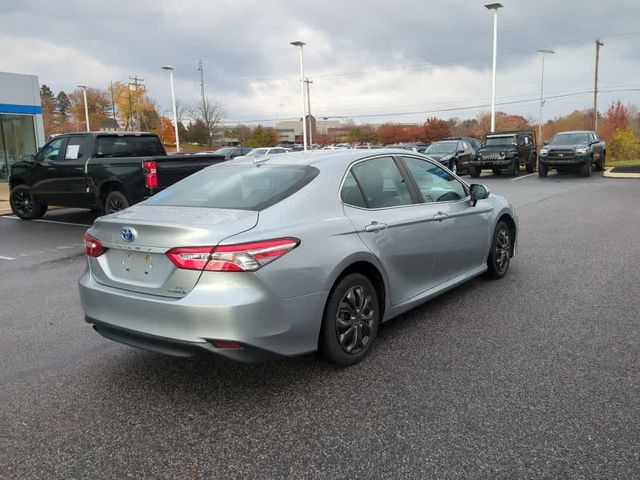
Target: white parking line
(524, 176)
(2, 257)
(13, 217)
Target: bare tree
(181, 110)
(210, 114)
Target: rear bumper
(239, 309)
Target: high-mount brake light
(92, 246)
(243, 257)
(151, 173)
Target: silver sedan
(285, 255)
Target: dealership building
(21, 125)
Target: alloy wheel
(502, 249)
(355, 320)
(23, 203)
(114, 205)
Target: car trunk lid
(137, 239)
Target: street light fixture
(300, 44)
(173, 101)
(86, 105)
(543, 51)
(495, 7)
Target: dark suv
(506, 151)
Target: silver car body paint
(278, 309)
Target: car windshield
(238, 187)
(500, 140)
(570, 139)
(443, 147)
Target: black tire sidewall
(542, 169)
(39, 209)
(493, 270)
(328, 343)
(118, 194)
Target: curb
(609, 174)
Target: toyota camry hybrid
(260, 258)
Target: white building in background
(21, 124)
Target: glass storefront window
(17, 140)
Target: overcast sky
(366, 57)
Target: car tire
(453, 166)
(601, 163)
(512, 171)
(501, 249)
(23, 206)
(496, 171)
(586, 168)
(542, 169)
(474, 172)
(350, 321)
(114, 202)
(531, 166)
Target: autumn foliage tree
(97, 102)
(262, 137)
(615, 119)
(435, 129)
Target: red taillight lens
(227, 344)
(244, 257)
(92, 246)
(151, 174)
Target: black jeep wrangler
(506, 151)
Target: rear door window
(239, 187)
(128, 146)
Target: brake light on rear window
(243, 257)
(92, 246)
(151, 173)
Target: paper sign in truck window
(72, 152)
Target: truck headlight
(582, 150)
(544, 151)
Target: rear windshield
(238, 187)
(128, 146)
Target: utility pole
(543, 51)
(201, 70)
(137, 81)
(310, 127)
(599, 44)
(113, 105)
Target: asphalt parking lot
(535, 375)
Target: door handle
(440, 216)
(375, 227)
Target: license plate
(137, 264)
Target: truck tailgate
(173, 168)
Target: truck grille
(492, 156)
(561, 153)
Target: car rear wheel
(500, 255)
(350, 322)
(474, 172)
(114, 202)
(23, 205)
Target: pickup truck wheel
(586, 168)
(600, 164)
(542, 169)
(23, 205)
(115, 202)
(474, 172)
(500, 254)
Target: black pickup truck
(103, 171)
(505, 151)
(577, 150)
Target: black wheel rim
(454, 167)
(355, 320)
(23, 203)
(115, 204)
(502, 249)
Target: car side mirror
(478, 192)
(545, 143)
(461, 150)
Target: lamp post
(542, 51)
(494, 7)
(173, 101)
(300, 44)
(86, 105)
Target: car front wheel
(500, 254)
(23, 205)
(350, 322)
(453, 166)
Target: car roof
(575, 131)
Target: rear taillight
(243, 257)
(92, 246)
(151, 174)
